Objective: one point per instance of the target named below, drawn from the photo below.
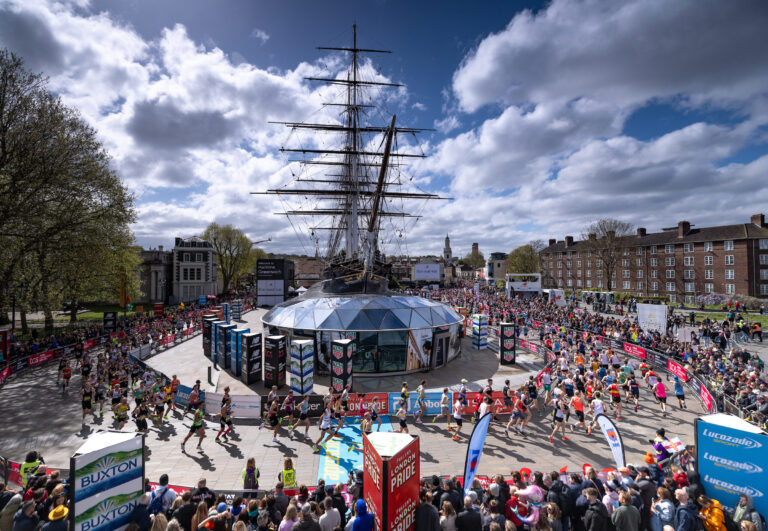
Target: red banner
(498, 403)
(373, 472)
(677, 369)
(355, 400)
(706, 398)
(37, 359)
(158, 309)
(528, 345)
(5, 374)
(88, 343)
(403, 485)
(633, 350)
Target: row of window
(187, 257)
(689, 287)
(688, 274)
(670, 248)
(668, 261)
(191, 273)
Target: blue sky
(548, 115)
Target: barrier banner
(633, 350)
(732, 459)
(431, 399)
(613, 437)
(37, 359)
(529, 345)
(88, 343)
(677, 369)
(108, 472)
(475, 450)
(706, 397)
(5, 374)
(472, 405)
(316, 405)
(182, 396)
(356, 400)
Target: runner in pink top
(661, 396)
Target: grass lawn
(93, 313)
(720, 316)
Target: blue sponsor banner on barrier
(432, 400)
(732, 461)
(182, 396)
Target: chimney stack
(641, 231)
(160, 248)
(683, 228)
(552, 242)
(758, 219)
(568, 241)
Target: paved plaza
(36, 415)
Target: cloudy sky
(546, 115)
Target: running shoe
(165, 417)
(565, 438)
(275, 439)
(315, 448)
(589, 430)
(290, 435)
(618, 417)
(506, 432)
(450, 428)
(200, 448)
(434, 419)
(455, 437)
(635, 409)
(551, 439)
(217, 439)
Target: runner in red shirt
(66, 374)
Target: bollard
(210, 379)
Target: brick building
(681, 262)
(194, 269)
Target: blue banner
(432, 400)
(475, 451)
(732, 461)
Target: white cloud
(260, 34)
(419, 106)
(447, 124)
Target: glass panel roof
(363, 312)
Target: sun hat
(463, 380)
(58, 513)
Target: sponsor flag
(475, 450)
(613, 437)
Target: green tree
(606, 238)
(524, 259)
(62, 207)
(475, 259)
(254, 256)
(233, 249)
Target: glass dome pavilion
(394, 333)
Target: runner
(66, 374)
(634, 389)
(577, 402)
(533, 393)
(196, 428)
(287, 406)
(463, 392)
(175, 383)
(194, 399)
(60, 375)
(116, 394)
(404, 395)
(273, 420)
(337, 415)
(366, 425)
(375, 405)
(140, 414)
(679, 392)
(100, 389)
(86, 398)
(445, 407)
(121, 412)
(303, 408)
(559, 418)
(226, 419)
(325, 427)
(458, 409)
(167, 392)
(615, 393)
(661, 396)
(158, 399)
(597, 407)
(401, 414)
(421, 402)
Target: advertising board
(732, 459)
(426, 272)
(677, 369)
(108, 474)
(373, 491)
(633, 350)
(402, 480)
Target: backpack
(566, 499)
(730, 525)
(249, 482)
(156, 505)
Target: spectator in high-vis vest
(288, 475)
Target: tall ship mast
(350, 200)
